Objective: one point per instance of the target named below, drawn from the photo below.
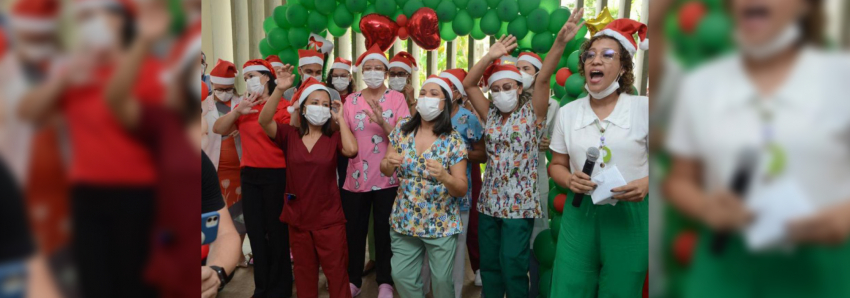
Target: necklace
(606, 152)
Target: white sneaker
(478, 278)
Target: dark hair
(128, 27)
(190, 105)
(442, 124)
(626, 62)
(304, 124)
(271, 84)
(329, 82)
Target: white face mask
(95, 32)
(398, 83)
(340, 84)
(428, 107)
(785, 39)
(605, 92)
(527, 80)
(505, 101)
(373, 78)
(253, 85)
(317, 115)
(223, 96)
(317, 78)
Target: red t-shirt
(102, 151)
(259, 151)
(311, 177)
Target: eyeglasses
(608, 56)
(505, 87)
(396, 74)
(228, 90)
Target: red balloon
(559, 202)
(378, 30)
(683, 247)
(562, 75)
(424, 29)
(690, 14)
(401, 20)
(402, 33)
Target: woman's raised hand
(502, 47)
(336, 105)
(285, 77)
(570, 28)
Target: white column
(222, 37)
(625, 9)
(359, 48)
(641, 73)
(207, 33)
(256, 16)
(241, 37)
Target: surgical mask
(785, 39)
(605, 92)
(505, 101)
(317, 115)
(95, 32)
(340, 84)
(373, 78)
(398, 83)
(223, 96)
(253, 85)
(527, 80)
(317, 78)
(428, 107)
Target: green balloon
(553, 81)
(446, 32)
(385, 7)
(490, 23)
(555, 224)
(582, 32)
(325, 7)
(369, 10)
(432, 4)
(269, 24)
(542, 42)
(518, 27)
(296, 15)
(557, 19)
(355, 26)
(577, 43)
(572, 61)
(317, 22)
(564, 101)
(503, 30)
(461, 4)
(538, 20)
(525, 43)
(308, 4)
(507, 10)
(335, 30)
(476, 33)
(582, 94)
(559, 91)
(463, 23)
(551, 199)
(412, 6)
(400, 3)
(574, 84)
(544, 287)
(561, 63)
(633, 91)
(671, 26)
(493, 3)
(265, 48)
(278, 39)
(446, 11)
(477, 8)
(544, 249)
(342, 18)
(714, 30)
(288, 56)
(298, 37)
(527, 6)
(356, 6)
(550, 5)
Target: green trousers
(504, 255)
(408, 252)
(602, 251)
(809, 271)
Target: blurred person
(310, 64)
(778, 95)
(402, 68)
(219, 266)
(340, 80)
(371, 114)
(429, 157)
(603, 251)
(204, 76)
(313, 211)
(263, 182)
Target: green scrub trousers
(602, 251)
(408, 252)
(504, 255)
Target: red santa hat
(306, 88)
(623, 31)
(184, 52)
(34, 15)
(258, 65)
(405, 61)
(374, 53)
(456, 77)
(341, 63)
(443, 82)
(310, 57)
(224, 73)
(496, 72)
(531, 58)
(274, 60)
(82, 5)
(204, 91)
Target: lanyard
(602, 147)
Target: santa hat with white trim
(274, 60)
(374, 53)
(258, 65)
(404, 60)
(310, 57)
(496, 72)
(341, 63)
(443, 82)
(34, 15)
(623, 31)
(224, 73)
(455, 76)
(306, 88)
(532, 58)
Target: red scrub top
(258, 150)
(311, 177)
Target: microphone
(592, 156)
(740, 184)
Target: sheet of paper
(774, 206)
(606, 180)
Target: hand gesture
(153, 20)
(635, 191)
(544, 144)
(337, 105)
(209, 282)
(724, 211)
(435, 168)
(503, 47)
(393, 158)
(376, 115)
(244, 107)
(285, 77)
(830, 226)
(570, 28)
(580, 183)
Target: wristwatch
(222, 276)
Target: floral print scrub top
(423, 207)
(469, 128)
(509, 188)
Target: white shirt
(717, 116)
(626, 135)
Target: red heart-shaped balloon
(424, 28)
(379, 30)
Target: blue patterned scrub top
(469, 128)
